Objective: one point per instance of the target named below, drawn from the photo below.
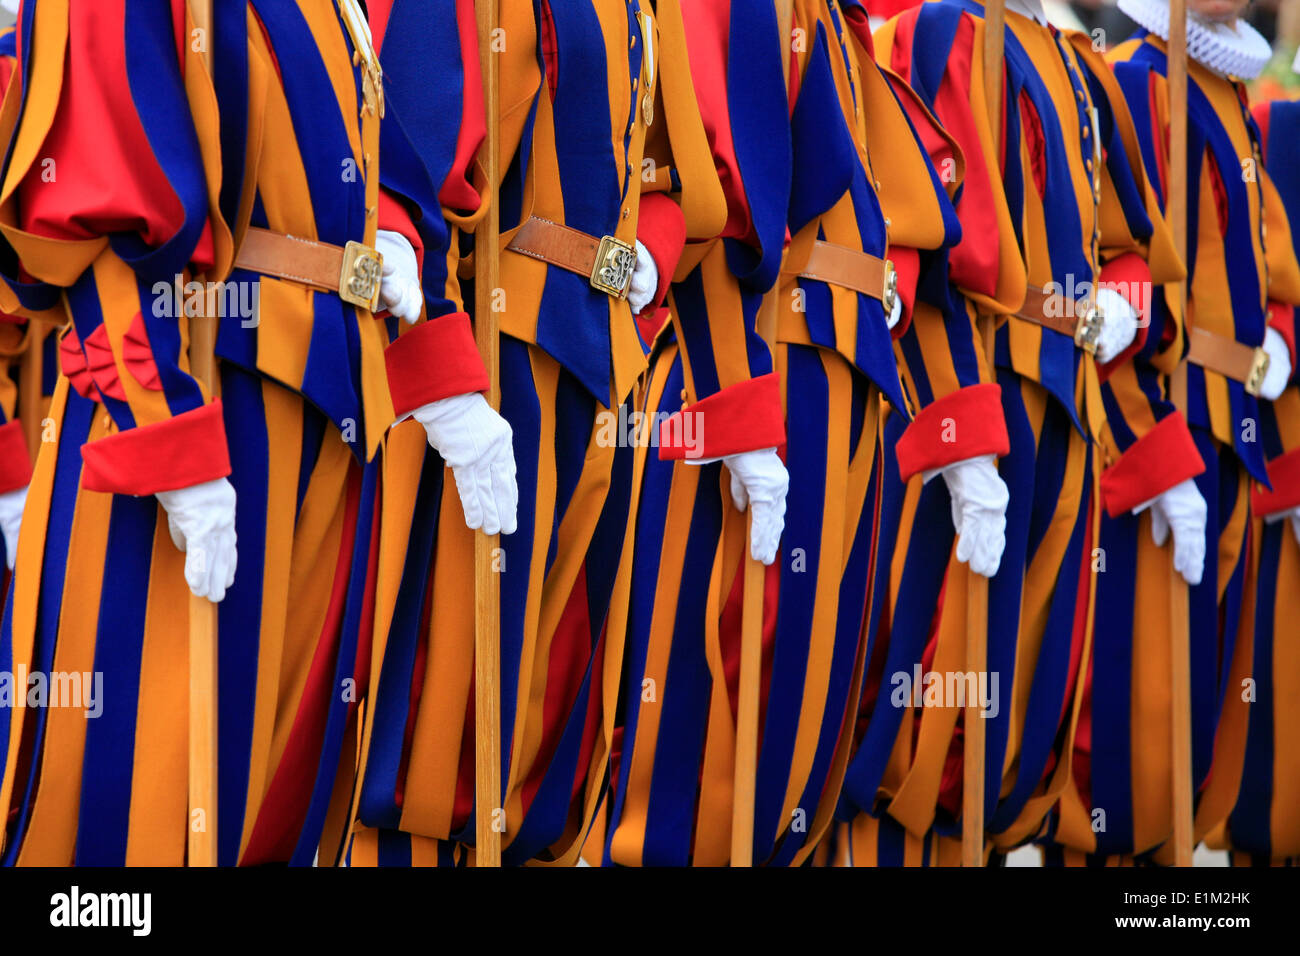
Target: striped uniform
(1066, 212)
(673, 786)
(599, 131)
(160, 169)
(1263, 826)
(1120, 798)
(16, 458)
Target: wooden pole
(751, 677)
(977, 586)
(32, 385)
(489, 814)
(202, 842)
(745, 778)
(1180, 674)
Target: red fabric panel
(661, 227)
(118, 186)
(1160, 459)
(1127, 274)
(15, 458)
(433, 361)
(177, 453)
(1284, 476)
(743, 417)
(1281, 318)
(961, 425)
(907, 266)
(974, 260)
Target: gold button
(1086, 132)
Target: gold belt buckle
(1088, 331)
(890, 294)
(359, 281)
(615, 262)
(1258, 369)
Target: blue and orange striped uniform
(130, 164)
(1122, 774)
(16, 458)
(1057, 210)
(673, 789)
(1263, 827)
(600, 132)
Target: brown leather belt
(1229, 358)
(605, 262)
(353, 271)
(851, 269)
(1054, 311)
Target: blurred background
(1277, 20)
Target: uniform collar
(1238, 51)
(1031, 9)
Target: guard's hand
(201, 520)
(11, 519)
(1183, 509)
(760, 482)
(979, 512)
(399, 288)
(1119, 324)
(477, 443)
(645, 280)
(1279, 366)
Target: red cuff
(395, 217)
(1160, 459)
(907, 267)
(432, 361)
(1284, 476)
(964, 424)
(742, 417)
(1281, 319)
(1130, 276)
(661, 228)
(177, 453)
(15, 458)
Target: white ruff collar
(1239, 52)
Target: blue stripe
(103, 820)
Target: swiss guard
(143, 188)
(1062, 239)
(1263, 827)
(607, 173)
(857, 199)
(17, 336)
(1243, 279)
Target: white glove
(979, 511)
(1183, 509)
(476, 443)
(645, 279)
(399, 290)
(11, 518)
(1119, 324)
(1276, 516)
(201, 520)
(1279, 366)
(759, 478)
(895, 313)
